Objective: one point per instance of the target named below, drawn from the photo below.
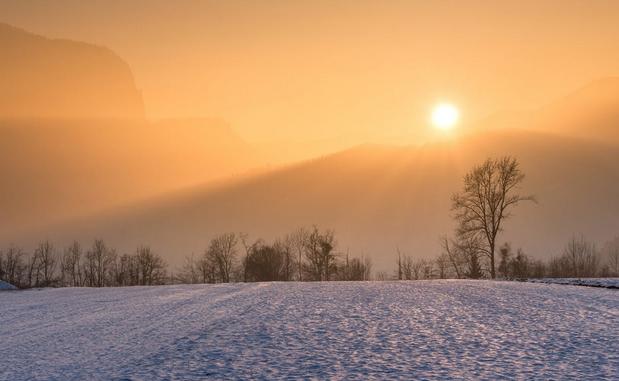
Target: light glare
(445, 116)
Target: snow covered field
(375, 330)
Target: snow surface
(372, 330)
(6, 286)
(591, 282)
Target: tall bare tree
(582, 257)
(441, 265)
(96, 266)
(355, 269)
(14, 266)
(151, 267)
(71, 265)
(249, 248)
(454, 256)
(286, 249)
(400, 272)
(490, 193)
(222, 253)
(297, 241)
(43, 264)
(320, 254)
(611, 250)
(189, 272)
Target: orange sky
(362, 70)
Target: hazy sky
(312, 69)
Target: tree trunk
(492, 272)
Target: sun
(445, 116)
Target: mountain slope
(590, 112)
(52, 169)
(47, 78)
(377, 198)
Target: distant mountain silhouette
(50, 78)
(73, 138)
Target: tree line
(580, 258)
(480, 210)
(489, 195)
(303, 255)
(96, 266)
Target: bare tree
(43, 265)
(320, 254)
(127, 272)
(489, 194)
(427, 269)
(297, 241)
(249, 248)
(581, 256)
(13, 266)
(222, 253)
(454, 255)
(286, 248)
(470, 247)
(611, 250)
(151, 267)
(207, 268)
(189, 273)
(354, 269)
(407, 268)
(464, 255)
(400, 270)
(71, 265)
(96, 267)
(410, 269)
(442, 262)
(416, 267)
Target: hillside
(50, 78)
(53, 169)
(590, 112)
(377, 198)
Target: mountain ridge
(60, 78)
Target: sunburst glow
(445, 116)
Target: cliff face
(46, 78)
